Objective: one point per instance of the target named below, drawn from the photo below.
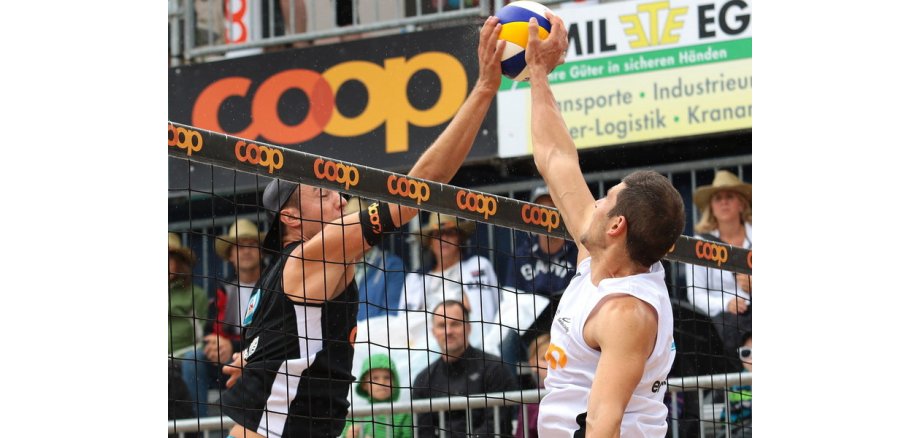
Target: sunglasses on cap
(745, 353)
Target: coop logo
(388, 103)
(260, 155)
(469, 201)
(711, 251)
(659, 32)
(555, 356)
(336, 172)
(543, 217)
(186, 139)
(373, 212)
(417, 191)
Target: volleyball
(514, 18)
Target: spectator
(293, 374)
(543, 266)
(188, 305)
(240, 247)
(379, 383)
(536, 355)
(471, 281)
(379, 278)
(739, 396)
(461, 370)
(723, 295)
(725, 216)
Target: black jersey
(298, 361)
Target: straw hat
(175, 247)
(242, 229)
(438, 222)
(724, 180)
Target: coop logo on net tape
(186, 139)
(477, 203)
(259, 155)
(541, 216)
(336, 172)
(711, 251)
(417, 191)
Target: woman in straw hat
(725, 207)
(472, 281)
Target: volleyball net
(509, 262)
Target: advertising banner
(379, 101)
(643, 70)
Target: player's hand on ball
(545, 55)
(490, 51)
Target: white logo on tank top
(252, 348)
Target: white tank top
(572, 363)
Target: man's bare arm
(624, 328)
(554, 151)
(342, 241)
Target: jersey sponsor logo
(260, 155)
(565, 322)
(252, 348)
(555, 356)
(187, 139)
(477, 203)
(336, 172)
(658, 385)
(541, 216)
(417, 191)
(474, 377)
(711, 251)
(251, 308)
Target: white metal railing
(203, 22)
(496, 400)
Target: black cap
(273, 198)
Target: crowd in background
(205, 326)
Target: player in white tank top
(573, 363)
(611, 345)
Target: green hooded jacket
(380, 426)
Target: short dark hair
(654, 213)
(445, 303)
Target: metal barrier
(206, 29)
(496, 400)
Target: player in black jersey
(293, 374)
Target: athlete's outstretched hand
(543, 56)
(490, 55)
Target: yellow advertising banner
(693, 78)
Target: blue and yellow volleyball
(514, 18)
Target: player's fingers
(533, 35)
(487, 28)
(557, 29)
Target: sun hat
(724, 180)
(176, 247)
(438, 222)
(241, 229)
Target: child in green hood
(379, 383)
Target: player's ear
(288, 216)
(617, 226)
